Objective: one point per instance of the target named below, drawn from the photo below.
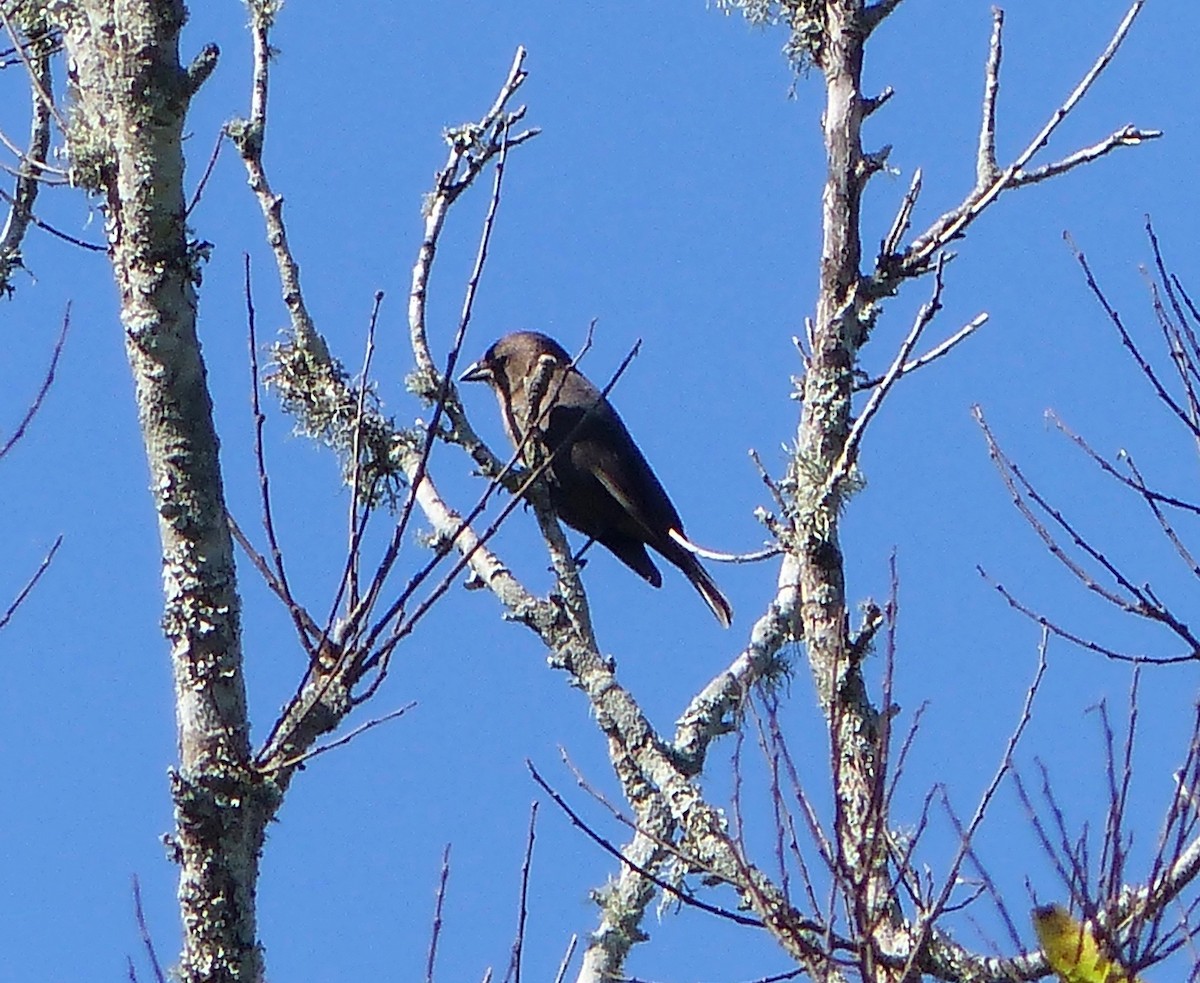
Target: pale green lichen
(329, 408)
(803, 18)
(90, 155)
(422, 383)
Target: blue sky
(674, 196)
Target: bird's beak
(476, 372)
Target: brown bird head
(514, 365)
(515, 357)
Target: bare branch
(52, 230)
(986, 168)
(1127, 596)
(309, 632)
(1136, 484)
(345, 739)
(514, 968)
(39, 77)
(1081, 89)
(359, 508)
(943, 348)
(441, 391)
(952, 224)
(469, 154)
(1163, 523)
(144, 931)
(43, 389)
(566, 960)
(208, 170)
(30, 584)
(876, 13)
(437, 915)
(715, 709)
(966, 835)
(1079, 640)
(849, 453)
(876, 102)
(900, 224)
(248, 136)
(1126, 136)
(1130, 346)
(671, 889)
(305, 369)
(300, 617)
(781, 754)
(25, 193)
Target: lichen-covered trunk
(130, 98)
(842, 319)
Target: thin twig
(444, 389)
(359, 511)
(36, 78)
(299, 616)
(906, 748)
(849, 452)
(1163, 522)
(666, 886)
(30, 584)
(986, 167)
(449, 184)
(518, 947)
(344, 739)
(962, 334)
(782, 817)
(208, 170)
(595, 793)
(1139, 601)
(966, 836)
(566, 959)
(57, 233)
(1084, 643)
(1129, 344)
(955, 222)
(311, 631)
(44, 388)
(900, 224)
(1136, 485)
(144, 930)
(1126, 136)
(808, 810)
(27, 182)
(439, 899)
(248, 135)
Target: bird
(600, 483)
(1074, 951)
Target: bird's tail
(702, 582)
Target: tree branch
(952, 224)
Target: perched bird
(1073, 951)
(600, 484)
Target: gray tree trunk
(130, 97)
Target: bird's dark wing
(622, 485)
(607, 490)
(655, 517)
(602, 451)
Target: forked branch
(991, 180)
